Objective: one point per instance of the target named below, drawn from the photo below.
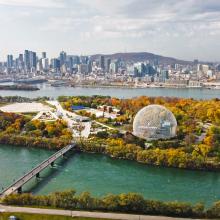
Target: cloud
(33, 3)
(164, 23)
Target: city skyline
(185, 30)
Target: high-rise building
(55, 64)
(27, 59)
(69, 62)
(107, 64)
(149, 70)
(33, 59)
(30, 60)
(21, 58)
(63, 57)
(9, 61)
(44, 55)
(102, 62)
(89, 66)
(76, 60)
(164, 75)
(139, 69)
(45, 64)
(84, 59)
(196, 62)
(113, 66)
(83, 68)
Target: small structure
(104, 111)
(108, 109)
(46, 116)
(154, 122)
(77, 107)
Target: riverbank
(139, 86)
(173, 158)
(131, 203)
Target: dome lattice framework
(154, 122)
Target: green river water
(101, 175)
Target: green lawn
(22, 216)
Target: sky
(185, 29)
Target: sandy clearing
(25, 107)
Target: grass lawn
(23, 216)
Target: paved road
(85, 214)
(206, 127)
(110, 128)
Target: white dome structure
(154, 122)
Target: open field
(25, 107)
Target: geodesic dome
(154, 122)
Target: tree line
(171, 157)
(125, 203)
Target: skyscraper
(30, 60)
(44, 55)
(102, 62)
(33, 59)
(84, 59)
(45, 64)
(107, 64)
(63, 57)
(9, 61)
(55, 64)
(114, 66)
(27, 60)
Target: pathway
(85, 214)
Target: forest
(20, 130)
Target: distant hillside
(141, 56)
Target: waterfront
(54, 92)
(103, 175)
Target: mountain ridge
(142, 56)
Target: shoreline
(138, 87)
(79, 150)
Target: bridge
(35, 172)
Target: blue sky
(184, 29)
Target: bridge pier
(38, 175)
(64, 155)
(19, 190)
(52, 164)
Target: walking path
(71, 119)
(85, 214)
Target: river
(54, 92)
(102, 175)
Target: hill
(141, 56)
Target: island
(156, 131)
(21, 87)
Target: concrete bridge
(35, 172)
